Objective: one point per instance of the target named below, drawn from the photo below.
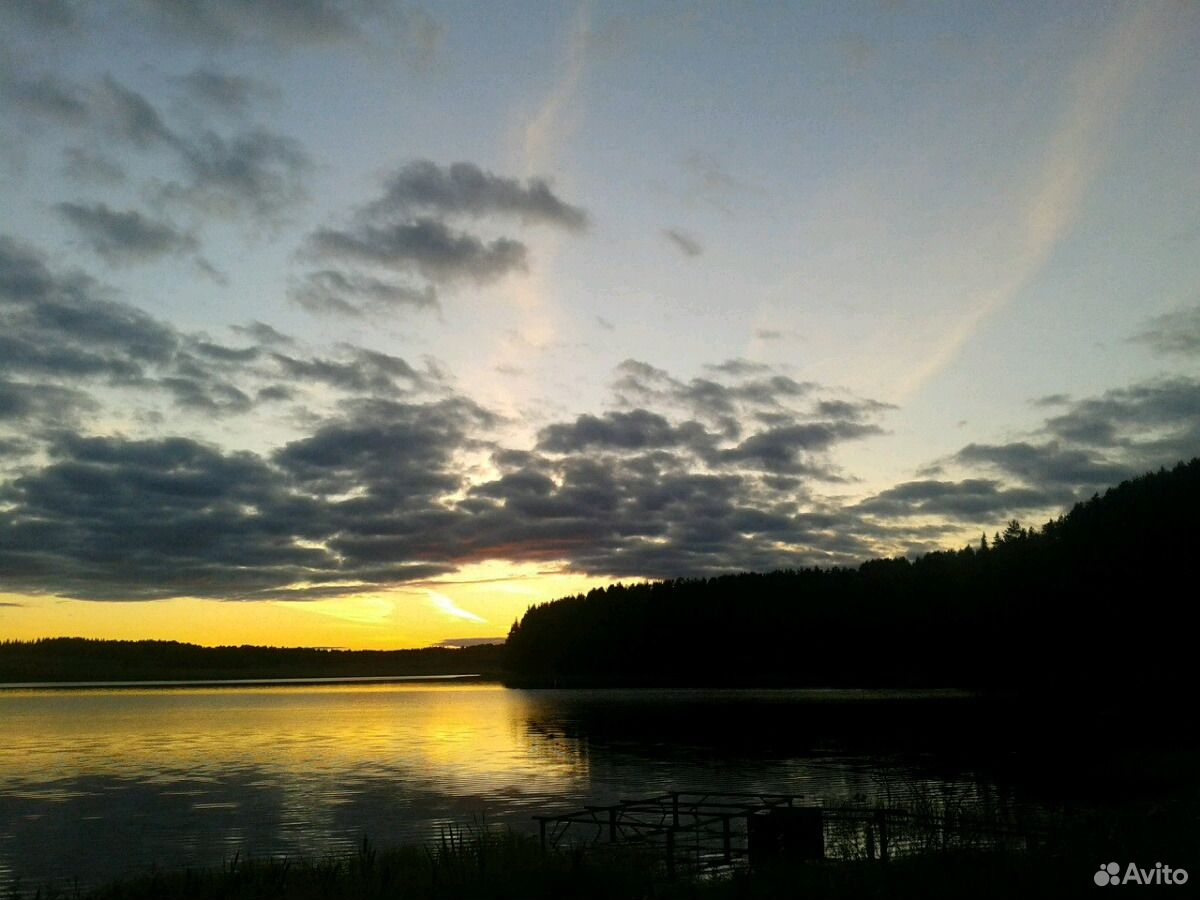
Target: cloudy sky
(360, 323)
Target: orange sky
(482, 602)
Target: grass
(504, 865)
(959, 859)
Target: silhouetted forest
(1102, 599)
(80, 659)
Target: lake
(100, 782)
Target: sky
(367, 324)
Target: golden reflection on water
(461, 738)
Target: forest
(82, 659)
(1101, 599)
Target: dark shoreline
(168, 684)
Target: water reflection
(93, 783)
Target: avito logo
(1110, 873)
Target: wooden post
(675, 809)
(883, 835)
(726, 842)
(870, 830)
(612, 824)
(671, 854)
(542, 833)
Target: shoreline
(239, 682)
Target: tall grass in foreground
(504, 865)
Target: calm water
(94, 783)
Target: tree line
(1099, 599)
(83, 659)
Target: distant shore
(81, 662)
(235, 682)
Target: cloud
(1176, 333)
(446, 606)
(48, 14)
(47, 97)
(43, 404)
(1046, 465)
(330, 291)
(255, 172)
(124, 237)
(463, 189)
(91, 168)
(287, 23)
(408, 230)
(789, 448)
(130, 116)
(1147, 424)
(262, 333)
(423, 246)
(457, 643)
(710, 182)
(224, 92)
(1075, 151)
(63, 331)
(683, 242)
(365, 372)
(972, 500)
(634, 430)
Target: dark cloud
(254, 172)
(1052, 400)
(298, 22)
(408, 230)
(423, 246)
(1152, 422)
(1048, 465)
(91, 168)
(223, 91)
(1088, 445)
(463, 189)
(972, 500)
(63, 331)
(49, 14)
(379, 494)
(130, 116)
(634, 430)
(262, 333)
(364, 372)
(62, 326)
(707, 397)
(128, 236)
(738, 367)
(48, 97)
(683, 242)
(852, 410)
(40, 403)
(797, 448)
(353, 294)
(1176, 333)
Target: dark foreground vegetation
(1101, 599)
(505, 865)
(80, 659)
